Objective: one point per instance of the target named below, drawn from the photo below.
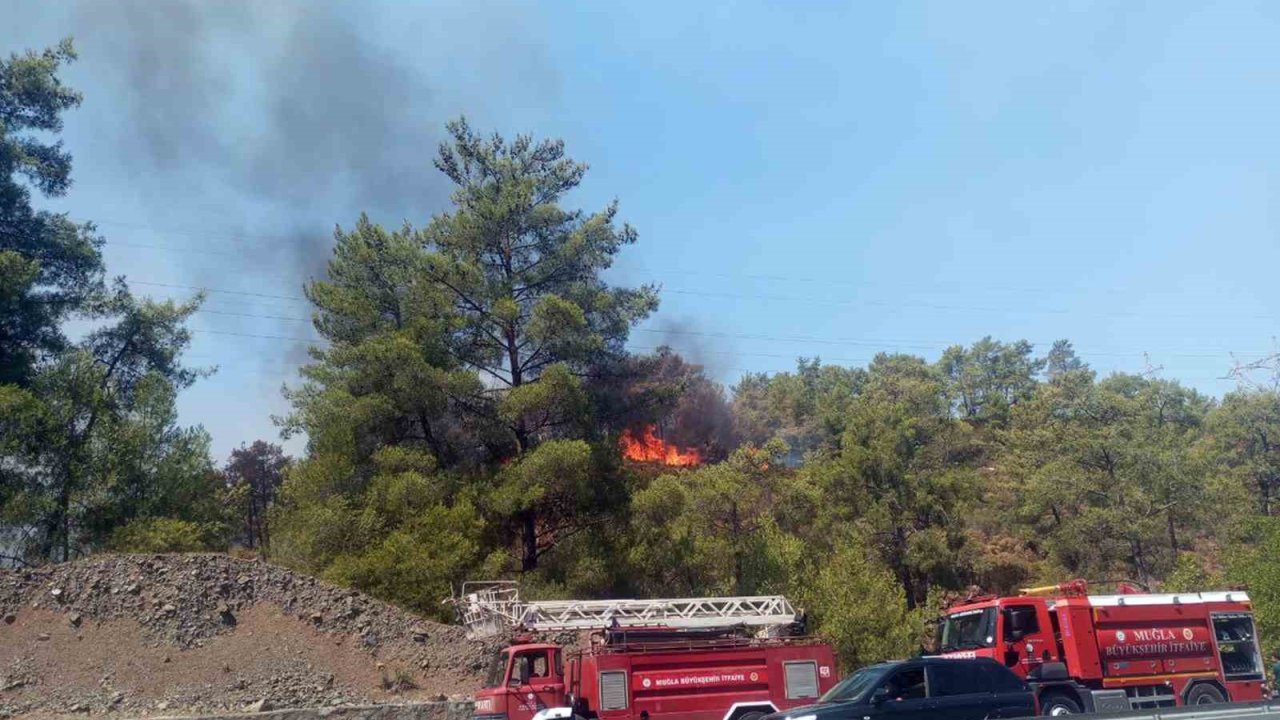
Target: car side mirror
(879, 696)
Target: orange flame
(651, 448)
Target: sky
(807, 177)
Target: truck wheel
(1055, 704)
(1205, 694)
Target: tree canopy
(89, 442)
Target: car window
(1002, 680)
(958, 678)
(906, 684)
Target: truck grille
(613, 690)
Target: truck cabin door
(1026, 645)
(535, 682)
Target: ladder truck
(727, 658)
(1086, 652)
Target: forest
(467, 413)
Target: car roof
(938, 660)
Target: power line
(920, 345)
(297, 298)
(938, 306)
(203, 311)
(891, 304)
(794, 356)
(252, 238)
(789, 338)
(914, 345)
(631, 347)
(265, 240)
(169, 248)
(784, 338)
(203, 331)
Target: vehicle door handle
(546, 688)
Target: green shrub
(159, 535)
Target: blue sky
(807, 178)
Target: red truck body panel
(717, 680)
(1156, 648)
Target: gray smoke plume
(292, 103)
(263, 125)
(694, 343)
(283, 111)
(701, 418)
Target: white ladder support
(670, 612)
(491, 608)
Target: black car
(925, 688)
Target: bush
(1188, 575)
(160, 535)
(1252, 561)
(397, 682)
(862, 609)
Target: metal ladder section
(492, 608)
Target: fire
(651, 448)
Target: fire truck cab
(521, 680)
(1102, 653)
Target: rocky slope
(139, 634)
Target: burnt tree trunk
(529, 541)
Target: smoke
(289, 104)
(279, 112)
(702, 419)
(701, 416)
(263, 126)
(697, 346)
(698, 415)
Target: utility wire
(631, 347)
(275, 240)
(778, 338)
(846, 302)
(297, 298)
(917, 345)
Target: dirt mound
(170, 633)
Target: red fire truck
(735, 658)
(1129, 650)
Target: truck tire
(1058, 703)
(1205, 694)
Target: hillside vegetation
(462, 418)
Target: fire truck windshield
(497, 670)
(967, 630)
